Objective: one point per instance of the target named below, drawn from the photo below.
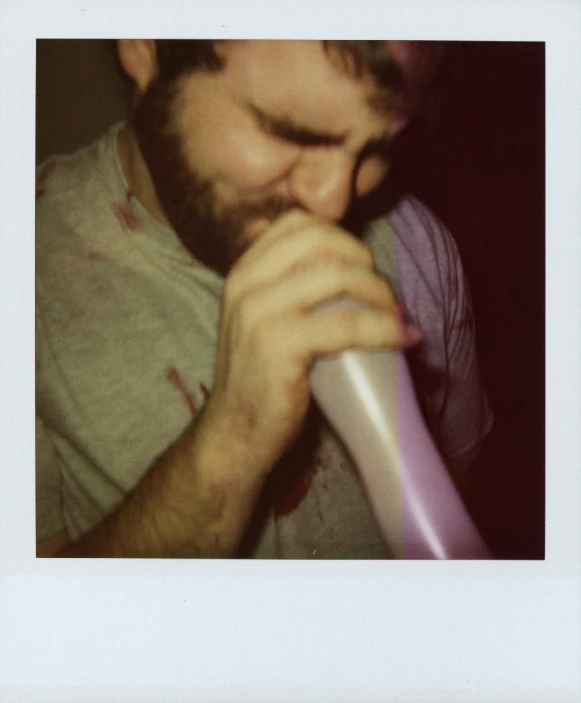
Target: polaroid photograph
(303, 352)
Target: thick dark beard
(214, 236)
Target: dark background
(479, 163)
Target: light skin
(281, 119)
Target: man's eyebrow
(287, 128)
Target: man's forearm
(190, 503)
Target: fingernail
(411, 334)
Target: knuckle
(290, 220)
(316, 236)
(325, 243)
(335, 270)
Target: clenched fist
(272, 328)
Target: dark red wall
(481, 167)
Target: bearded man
(183, 264)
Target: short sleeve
(468, 417)
(419, 256)
(49, 512)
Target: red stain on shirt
(97, 256)
(291, 500)
(41, 177)
(126, 216)
(174, 377)
(45, 172)
(298, 487)
(205, 391)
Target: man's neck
(137, 174)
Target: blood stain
(45, 172)
(205, 391)
(289, 501)
(126, 216)
(174, 377)
(298, 487)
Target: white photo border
(131, 630)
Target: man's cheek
(370, 175)
(252, 162)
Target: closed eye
(296, 134)
(303, 137)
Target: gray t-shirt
(126, 330)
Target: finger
(286, 223)
(322, 281)
(331, 331)
(292, 243)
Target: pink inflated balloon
(369, 399)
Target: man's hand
(197, 498)
(271, 330)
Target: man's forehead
(270, 50)
(349, 56)
(308, 66)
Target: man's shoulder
(413, 249)
(76, 195)
(71, 181)
(414, 217)
(412, 226)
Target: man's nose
(322, 183)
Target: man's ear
(139, 59)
